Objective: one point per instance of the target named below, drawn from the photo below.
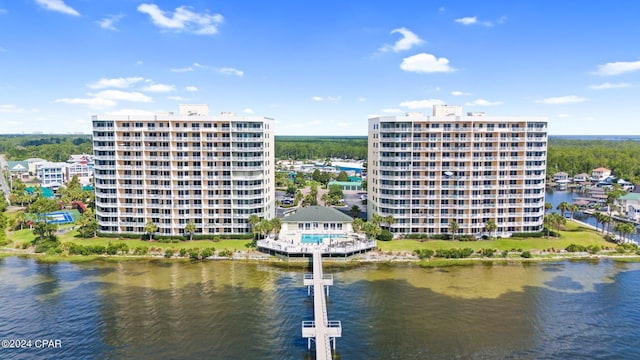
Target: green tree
(563, 207)
(547, 206)
(357, 224)
(453, 229)
(190, 229)
(72, 191)
(355, 211)
(44, 230)
(19, 221)
(43, 206)
(342, 176)
(388, 220)
(253, 221)
(491, 227)
(371, 229)
(87, 224)
(150, 228)
(573, 208)
(277, 226)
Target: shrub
(424, 253)
(194, 255)
(225, 253)
(385, 235)
(594, 249)
(526, 254)
(576, 248)
(168, 253)
(454, 253)
(183, 252)
(505, 253)
(488, 252)
(206, 253)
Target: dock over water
(321, 329)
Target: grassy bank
(573, 234)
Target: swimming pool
(317, 238)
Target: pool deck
(340, 247)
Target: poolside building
(430, 171)
(315, 223)
(170, 169)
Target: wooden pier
(321, 330)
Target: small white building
(315, 225)
(52, 175)
(561, 176)
(630, 205)
(600, 174)
(581, 177)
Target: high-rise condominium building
(214, 171)
(431, 171)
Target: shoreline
(400, 258)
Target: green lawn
(574, 233)
(27, 235)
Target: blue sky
(320, 67)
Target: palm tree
(355, 211)
(597, 216)
(547, 206)
(253, 221)
(563, 207)
(150, 228)
(20, 219)
(277, 225)
(377, 219)
(573, 208)
(357, 224)
(190, 228)
(389, 220)
(491, 227)
(453, 229)
(371, 229)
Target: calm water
(234, 310)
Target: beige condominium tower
(473, 169)
(214, 171)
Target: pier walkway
(323, 331)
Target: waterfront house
(600, 174)
(581, 178)
(630, 205)
(561, 177)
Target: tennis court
(58, 217)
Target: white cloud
(362, 99)
(469, 20)
(183, 19)
(425, 63)
(483, 102)
(191, 88)
(118, 95)
(421, 104)
(2, 49)
(139, 62)
(327, 98)
(563, 115)
(132, 112)
(342, 124)
(187, 69)
(391, 111)
(562, 100)
(408, 40)
(618, 67)
(158, 88)
(608, 85)
(231, 71)
(460, 93)
(115, 83)
(317, 98)
(11, 109)
(473, 20)
(177, 98)
(3, 11)
(59, 6)
(248, 111)
(94, 103)
(109, 22)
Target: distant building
(600, 174)
(33, 164)
(561, 176)
(630, 204)
(581, 178)
(52, 175)
(18, 169)
(347, 185)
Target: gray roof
(317, 213)
(18, 166)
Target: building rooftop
(317, 213)
(630, 196)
